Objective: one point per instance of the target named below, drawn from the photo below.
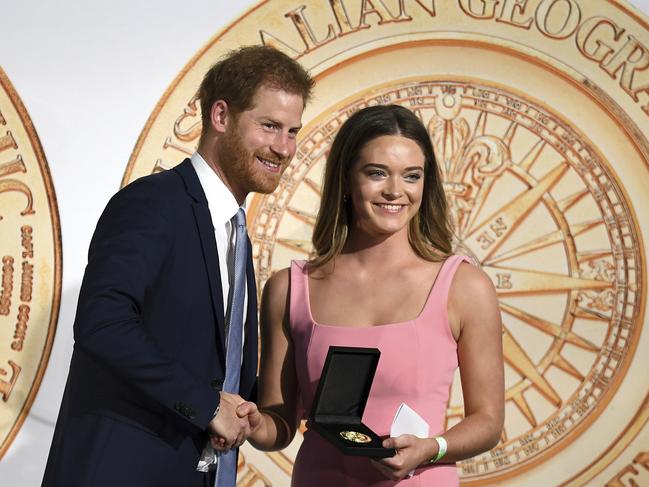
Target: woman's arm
(473, 305)
(475, 320)
(275, 422)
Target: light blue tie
(226, 472)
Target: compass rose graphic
(541, 212)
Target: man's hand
(227, 430)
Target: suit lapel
(208, 244)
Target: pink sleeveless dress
(418, 360)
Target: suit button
(178, 407)
(217, 384)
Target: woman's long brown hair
(429, 232)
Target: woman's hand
(411, 453)
(250, 410)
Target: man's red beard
(243, 170)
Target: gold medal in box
(340, 400)
(355, 436)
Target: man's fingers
(219, 443)
(232, 424)
(218, 446)
(234, 399)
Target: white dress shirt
(223, 206)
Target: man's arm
(129, 249)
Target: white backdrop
(90, 74)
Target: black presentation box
(340, 400)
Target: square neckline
(391, 324)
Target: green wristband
(441, 449)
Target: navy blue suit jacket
(149, 352)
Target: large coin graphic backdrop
(30, 249)
(539, 114)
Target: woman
(382, 276)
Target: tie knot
(239, 219)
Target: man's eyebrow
(266, 118)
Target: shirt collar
(221, 202)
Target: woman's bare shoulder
(472, 291)
(274, 299)
(470, 277)
(277, 284)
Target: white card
(407, 422)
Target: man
(167, 290)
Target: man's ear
(219, 116)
